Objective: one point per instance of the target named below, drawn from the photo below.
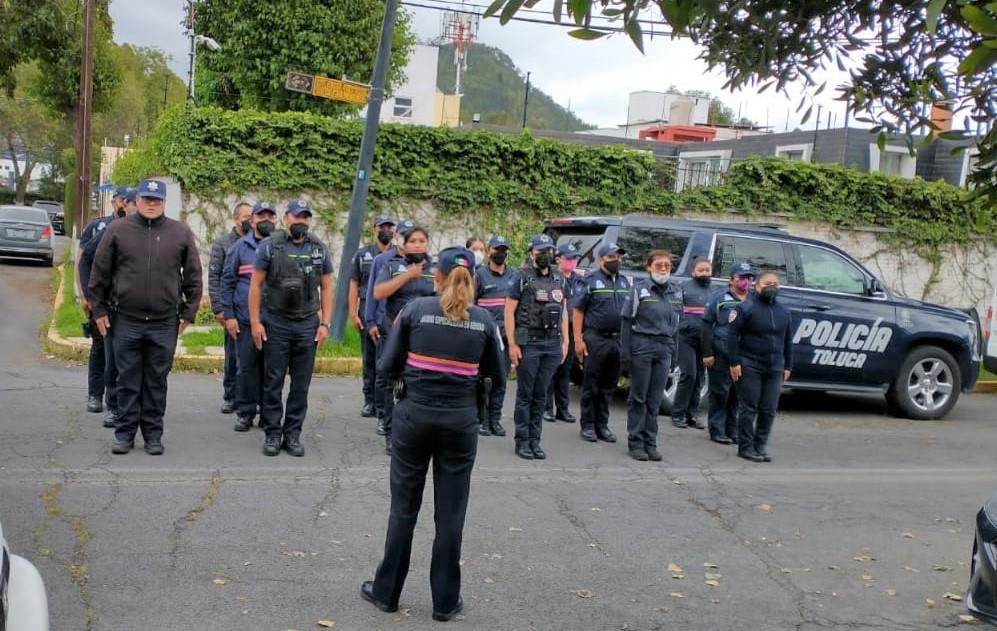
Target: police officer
(651, 316)
(234, 295)
(557, 394)
(403, 279)
(147, 270)
(716, 325)
(695, 293)
(536, 323)
(291, 282)
(440, 347)
(597, 320)
(363, 261)
(241, 220)
(760, 348)
(491, 287)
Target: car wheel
(50, 261)
(672, 385)
(927, 386)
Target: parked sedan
(26, 232)
(23, 604)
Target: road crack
(181, 525)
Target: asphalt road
(859, 520)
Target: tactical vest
(292, 288)
(541, 302)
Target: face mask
(499, 257)
(769, 293)
(384, 237)
(479, 257)
(245, 226)
(543, 260)
(613, 267)
(702, 281)
(742, 284)
(298, 231)
(414, 258)
(660, 279)
(264, 228)
(568, 266)
(121, 212)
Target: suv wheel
(672, 385)
(927, 386)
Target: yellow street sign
(338, 90)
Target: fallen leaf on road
(323, 514)
(763, 507)
(489, 580)
(930, 604)
(712, 583)
(911, 569)
(942, 568)
(515, 529)
(593, 545)
(891, 592)
(676, 595)
(328, 624)
(864, 558)
(967, 618)
(867, 577)
(675, 569)
(714, 577)
(596, 509)
(709, 565)
(219, 581)
(247, 563)
(678, 482)
(715, 601)
(952, 596)
(584, 593)
(786, 570)
(298, 554)
(832, 567)
(495, 556)
(908, 535)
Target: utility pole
(84, 111)
(191, 55)
(526, 99)
(361, 184)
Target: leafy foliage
(262, 41)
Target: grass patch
(195, 343)
(69, 317)
(985, 375)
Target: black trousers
(650, 363)
(289, 350)
(231, 374)
(143, 353)
(381, 393)
(723, 399)
(541, 356)
(368, 354)
(758, 393)
(96, 364)
(110, 369)
(557, 394)
(496, 398)
(692, 373)
(250, 375)
(447, 437)
(600, 378)
(387, 390)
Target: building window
(697, 169)
(970, 158)
(802, 153)
(892, 161)
(403, 107)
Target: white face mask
(660, 279)
(479, 257)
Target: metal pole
(193, 48)
(358, 205)
(526, 99)
(83, 130)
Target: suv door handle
(818, 307)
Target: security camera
(207, 41)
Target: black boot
(484, 428)
(448, 616)
(497, 428)
(367, 593)
(94, 405)
(523, 451)
(271, 446)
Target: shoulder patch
(599, 284)
(368, 257)
(732, 316)
(644, 293)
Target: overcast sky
(594, 77)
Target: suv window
(585, 239)
(639, 241)
(764, 255)
(825, 270)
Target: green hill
(494, 88)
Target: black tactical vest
(292, 288)
(541, 301)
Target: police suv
(851, 333)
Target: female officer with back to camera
(440, 347)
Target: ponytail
(457, 293)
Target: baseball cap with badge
(568, 251)
(152, 188)
(404, 227)
(541, 242)
(742, 269)
(498, 242)
(298, 207)
(455, 256)
(607, 249)
(120, 192)
(130, 195)
(263, 207)
(382, 220)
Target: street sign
(326, 88)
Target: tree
(26, 30)
(262, 41)
(911, 53)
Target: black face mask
(768, 294)
(499, 257)
(703, 281)
(544, 260)
(246, 226)
(384, 236)
(264, 228)
(298, 231)
(613, 267)
(121, 212)
(414, 257)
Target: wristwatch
(327, 325)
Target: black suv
(852, 334)
(56, 214)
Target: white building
(414, 100)
(647, 109)
(7, 172)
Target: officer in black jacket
(557, 393)
(291, 283)
(440, 347)
(716, 328)
(695, 293)
(597, 321)
(760, 347)
(491, 286)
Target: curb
(985, 387)
(55, 344)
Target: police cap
(152, 188)
(742, 269)
(452, 257)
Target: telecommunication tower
(460, 27)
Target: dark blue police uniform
(713, 341)
(360, 268)
(557, 408)
(690, 356)
(651, 315)
(98, 386)
(491, 288)
(760, 341)
(440, 361)
(216, 267)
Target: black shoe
(765, 456)
(94, 405)
(381, 431)
(154, 448)
(723, 440)
(588, 435)
(653, 454)
(539, 454)
(271, 446)
(243, 424)
(484, 429)
(732, 439)
(638, 454)
(567, 417)
(110, 419)
(367, 411)
(497, 428)
(606, 436)
(292, 445)
(524, 452)
(367, 593)
(122, 446)
(749, 454)
(549, 417)
(447, 617)
(679, 424)
(695, 424)
(228, 407)
(387, 445)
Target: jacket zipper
(148, 269)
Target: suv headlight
(974, 339)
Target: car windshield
(585, 238)
(23, 214)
